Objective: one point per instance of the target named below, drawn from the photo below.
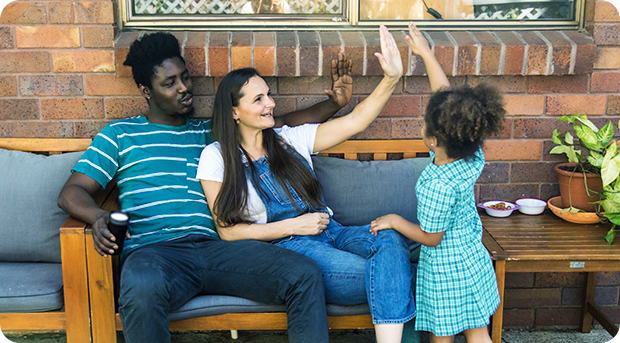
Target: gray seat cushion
(210, 305)
(30, 287)
(359, 192)
(31, 219)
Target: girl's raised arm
(419, 46)
(340, 129)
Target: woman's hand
(382, 223)
(310, 224)
(389, 58)
(342, 82)
(417, 42)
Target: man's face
(171, 91)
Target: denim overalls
(356, 265)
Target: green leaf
(564, 210)
(572, 118)
(569, 139)
(606, 134)
(574, 210)
(611, 203)
(572, 154)
(611, 235)
(556, 137)
(584, 120)
(613, 217)
(588, 137)
(595, 159)
(610, 169)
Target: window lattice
(228, 6)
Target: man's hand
(104, 240)
(342, 82)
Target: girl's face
(255, 108)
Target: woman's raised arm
(340, 129)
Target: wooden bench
(102, 276)
(546, 243)
(75, 318)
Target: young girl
(456, 288)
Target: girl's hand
(417, 42)
(382, 223)
(311, 224)
(389, 58)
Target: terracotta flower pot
(574, 186)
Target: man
(172, 252)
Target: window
(342, 14)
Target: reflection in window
(238, 7)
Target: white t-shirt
(211, 165)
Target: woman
(259, 184)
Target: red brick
(512, 150)
(373, 45)
(585, 51)
(589, 17)
(83, 61)
(264, 53)
(42, 129)
(519, 280)
(514, 53)
(549, 190)
(24, 62)
(607, 58)
(194, 53)
(88, 129)
(559, 279)
(110, 85)
(520, 297)
(613, 104)
(606, 296)
(417, 66)
(365, 85)
(444, 51)
(286, 53)
(203, 106)
(536, 54)
(241, 50)
(575, 104)
(533, 172)
(518, 317)
(401, 106)
(607, 278)
(354, 48)
(565, 316)
(284, 105)
(119, 108)
(98, 37)
(490, 53)
(23, 13)
(558, 84)
(331, 46)
(307, 101)
(51, 85)
(403, 48)
(8, 86)
(505, 83)
(416, 84)
(537, 127)
(203, 86)
(6, 38)
(528, 105)
(561, 52)
(613, 313)
(605, 82)
(379, 129)
(605, 11)
(407, 128)
(19, 109)
(77, 108)
(508, 192)
(61, 12)
(121, 48)
(467, 53)
(218, 53)
(308, 53)
(606, 34)
(495, 173)
(97, 12)
(304, 85)
(47, 37)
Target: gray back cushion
(359, 192)
(29, 215)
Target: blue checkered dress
(456, 286)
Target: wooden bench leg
(498, 317)
(588, 297)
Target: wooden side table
(546, 243)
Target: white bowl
(531, 206)
(496, 212)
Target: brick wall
(61, 75)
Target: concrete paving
(342, 336)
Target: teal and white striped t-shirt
(155, 168)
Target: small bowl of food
(531, 206)
(498, 208)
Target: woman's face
(255, 108)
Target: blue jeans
(159, 278)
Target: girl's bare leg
(441, 339)
(389, 333)
(478, 335)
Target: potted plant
(602, 159)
